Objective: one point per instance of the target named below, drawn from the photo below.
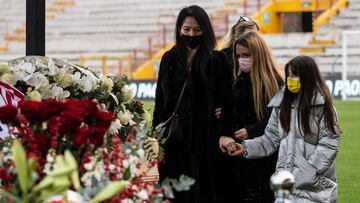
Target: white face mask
(245, 64)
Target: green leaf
(46, 182)
(115, 98)
(109, 191)
(127, 174)
(6, 195)
(21, 166)
(70, 160)
(168, 192)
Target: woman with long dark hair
(303, 126)
(205, 75)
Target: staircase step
(321, 42)
(239, 3)
(64, 3)
(3, 49)
(55, 10)
(308, 50)
(20, 30)
(226, 11)
(50, 17)
(14, 38)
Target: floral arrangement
(41, 78)
(78, 130)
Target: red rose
(43, 142)
(90, 107)
(99, 136)
(53, 107)
(81, 136)
(53, 126)
(33, 111)
(8, 114)
(104, 119)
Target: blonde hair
(264, 74)
(238, 29)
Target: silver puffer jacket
(311, 159)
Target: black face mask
(191, 41)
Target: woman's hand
(239, 150)
(217, 113)
(241, 134)
(225, 142)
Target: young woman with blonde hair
(257, 81)
(243, 25)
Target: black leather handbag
(170, 127)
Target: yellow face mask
(293, 84)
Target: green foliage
(109, 191)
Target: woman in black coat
(191, 149)
(257, 81)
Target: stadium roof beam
(35, 27)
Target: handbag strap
(181, 95)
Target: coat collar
(318, 99)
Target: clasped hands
(232, 148)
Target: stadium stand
(325, 45)
(128, 32)
(76, 28)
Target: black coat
(251, 176)
(209, 87)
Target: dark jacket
(229, 54)
(254, 175)
(209, 87)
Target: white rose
(125, 117)
(127, 93)
(64, 80)
(32, 80)
(8, 78)
(34, 95)
(19, 74)
(107, 83)
(87, 83)
(47, 93)
(53, 69)
(4, 68)
(43, 82)
(59, 93)
(115, 126)
(29, 68)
